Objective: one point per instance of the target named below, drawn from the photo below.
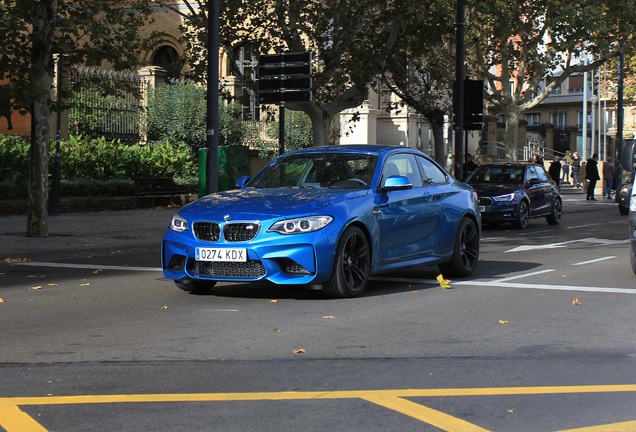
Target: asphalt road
(541, 338)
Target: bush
(177, 113)
(95, 167)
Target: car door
(535, 189)
(406, 218)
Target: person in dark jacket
(591, 174)
(555, 171)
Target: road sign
(301, 83)
(297, 57)
(284, 77)
(284, 96)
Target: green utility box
(234, 162)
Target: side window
(403, 165)
(541, 174)
(430, 172)
(531, 174)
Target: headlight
(508, 197)
(301, 225)
(178, 224)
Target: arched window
(167, 58)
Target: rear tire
(465, 252)
(192, 285)
(554, 218)
(351, 267)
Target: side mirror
(628, 156)
(242, 181)
(534, 181)
(396, 183)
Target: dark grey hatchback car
(516, 192)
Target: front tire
(465, 252)
(351, 267)
(523, 216)
(194, 285)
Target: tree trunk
(512, 135)
(41, 75)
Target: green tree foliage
(87, 32)
(515, 45)
(422, 73)
(350, 41)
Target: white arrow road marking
(602, 242)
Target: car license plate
(220, 254)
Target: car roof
(376, 149)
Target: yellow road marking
(12, 419)
(629, 426)
(427, 415)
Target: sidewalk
(85, 234)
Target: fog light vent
(291, 266)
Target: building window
(557, 89)
(533, 119)
(559, 120)
(167, 58)
(575, 84)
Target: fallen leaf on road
(413, 292)
(35, 287)
(503, 322)
(1, 300)
(576, 302)
(274, 301)
(275, 330)
(300, 351)
(98, 271)
(164, 307)
(52, 284)
(329, 317)
(444, 283)
(85, 284)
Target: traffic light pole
(212, 121)
(459, 93)
(281, 128)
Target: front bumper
(499, 212)
(281, 259)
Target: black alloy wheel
(351, 267)
(523, 216)
(554, 218)
(465, 252)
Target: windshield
(497, 175)
(318, 170)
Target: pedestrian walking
(591, 174)
(608, 178)
(555, 171)
(576, 166)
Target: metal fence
(106, 104)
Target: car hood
(489, 189)
(266, 203)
